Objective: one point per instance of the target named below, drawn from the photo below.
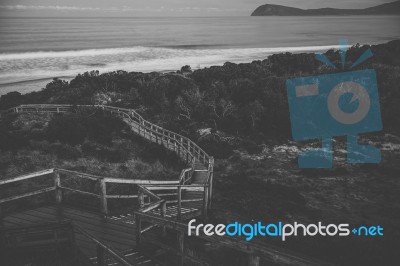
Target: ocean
(35, 50)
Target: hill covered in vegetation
(279, 10)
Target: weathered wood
(28, 176)
(141, 199)
(122, 196)
(254, 260)
(151, 206)
(179, 202)
(100, 255)
(148, 193)
(163, 213)
(81, 192)
(103, 196)
(180, 247)
(106, 249)
(80, 175)
(210, 181)
(33, 193)
(139, 181)
(144, 230)
(57, 185)
(205, 203)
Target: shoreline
(36, 84)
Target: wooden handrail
(185, 172)
(26, 176)
(148, 193)
(151, 206)
(103, 196)
(190, 148)
(29, 194)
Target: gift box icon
(341, 104)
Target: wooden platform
(120, 236)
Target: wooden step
(123, 218)
(172, 211)
(132, 256)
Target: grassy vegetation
(94, 143)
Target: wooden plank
(80, 175)
(180, 247)
(103, 196)
(102, 230)
(15, 221)
(149, 193)
(139, 181)
(27, 176)
(29, 194)
(57, 185)
(114, 253)
(102, 226)
(122, 196)
(80, 191)
(94, 222)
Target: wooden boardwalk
(117, 234)
(163, 207)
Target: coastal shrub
(215, 146)
(247, 100)
(74, 128)
(65, 151)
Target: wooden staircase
(163, 206)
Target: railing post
(181, 250)
(100, 255)
(175, 146)
(180, 150)
(57, 185)
(179, 202)
(205, 202)
(210, 182)
(103, 196)
(163, 213)
(141, 199)
(254, 260)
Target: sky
(139, 8)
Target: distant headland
(278, 10)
